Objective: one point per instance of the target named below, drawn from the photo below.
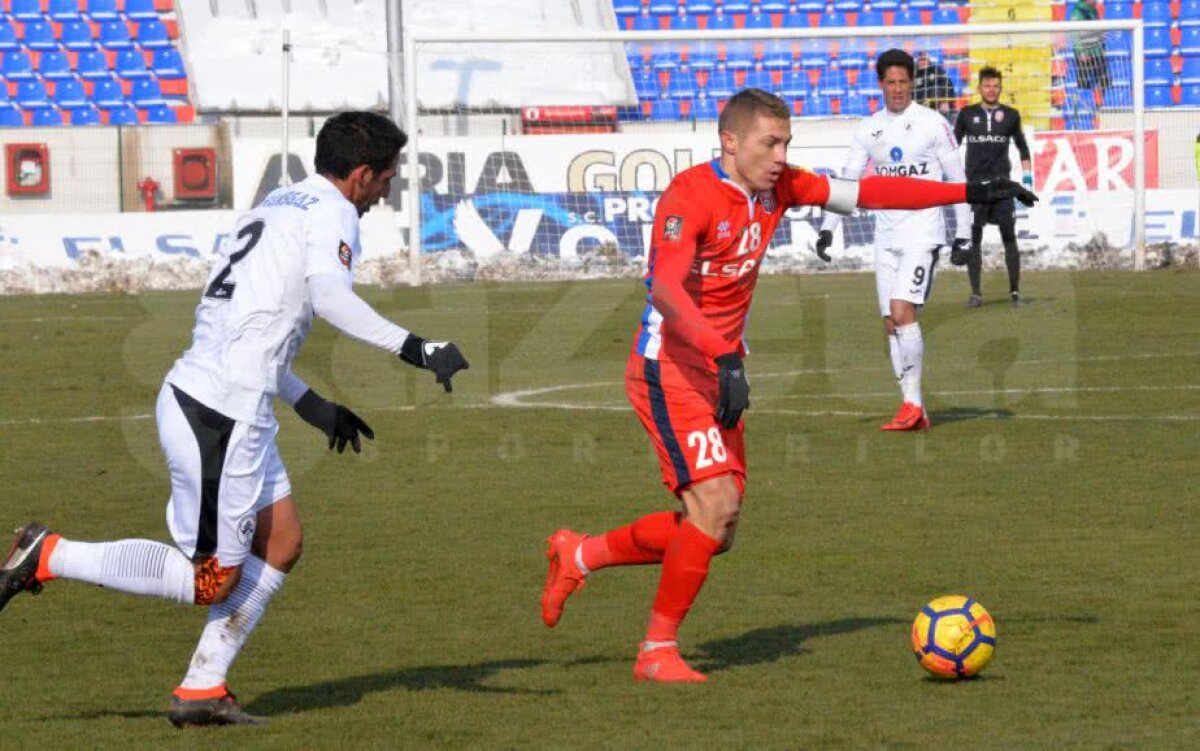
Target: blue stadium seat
(666, 56)
(123, 115)
(131, 64)
(160, 114)
(885, 5)
(85, 116)
(721, 22)
(907, 18)
(152, 35)
(1079, 122)
(795, 84)
(945, 17)
(26, 10)
(739, 55)
(92, 65)
(870, 18)
(684, 22)
(721, 85)
(816, 105)
(77, 36)
(47, 117)
(705, 109)
(663, 7)
(804, 7)
(1191, 95)
(107, 94)
(620, 7)
(70, 95)
(39, 36)
(10, 116)
(1118, 98)
(17, 66)
(114, 35)
(645, 83)
(645, 22)
(852, 54)
(702, 56)
(1118, 46)
(32, 94)
(777, 55)
(8, 36)
(774, 6)
(1156, 14)
(1158, 41)
(168, 64)
(814, 53)
(758, 20)
(1158, 72)
(144, 10)
(1158, 96)
(4, 98)
(1118, 11)
(759, 79)
(55, 66)
(1189, 42)
(1080, 101)
(682, 86)
(855, 104)
(664, 109)
(736, 6)
(1189, 13)
(920, 5)
(832, 20)
(102, 10)
(64, 10)
(795, 21)
(832, 84)
(701, 7)
(1191, 70)
(848, 6)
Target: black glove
(824, 240)
(960, 252)
(997, 190)
(443, 358)
(338, 423)
(734, 392)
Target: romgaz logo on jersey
(901, 170)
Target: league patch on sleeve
(673, 228)
(345, 255)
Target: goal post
(1039, 60)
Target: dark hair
(989, 72)
(894, 58)
(351, 139)
(743, 106)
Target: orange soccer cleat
(910, 417)
(564, 577)
(664, 665)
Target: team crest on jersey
(767, 198)
(345, 255)
(999, 116)
(897, 154)
(673, 228)
(723, 232)
(245, 529)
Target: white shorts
(223, 472)
(904, 274)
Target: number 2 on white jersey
(712, 448)
(249, 235)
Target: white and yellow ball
(954, 637)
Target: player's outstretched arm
(339, 424)
(333, 300)
(887, 192)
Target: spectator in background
(933, 88)
(1091, 71)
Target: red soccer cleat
(664, 665)
(564, 577)
(910, 417)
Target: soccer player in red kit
(685, 377)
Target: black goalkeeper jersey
(987, 133)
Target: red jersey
(709, 238)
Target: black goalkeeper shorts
(1000, 213)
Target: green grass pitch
(1058, 487)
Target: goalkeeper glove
(443, 358)
(734, 390)
(338, 423)
(960, 252)
(824, 240)
(997, 190)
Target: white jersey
(256, 308)
(917, 142)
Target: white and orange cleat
(564, 576)
(663, 664)
(910, 417)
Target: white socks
(910, 346)
(230, 623)
(897, 359)
(139, 567)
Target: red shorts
(677, 405)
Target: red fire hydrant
(149, 188)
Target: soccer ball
(953, 637)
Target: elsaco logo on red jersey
(714, 268)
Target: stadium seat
(8, 36)
(1118, 98)
(702, 56)
(855, 104)
(814, 53)
(123, 115)
(795, 84)
(852, 54)
(777, 55)
(870, 18)
(620, 7)
(848, 6)
(805, 7)
(816, 105)
(684, 22)
(682, 86)
(1158, 96)
(663, 7)
(1080, 101)
(102, 10)
(39, 36)
(919, 5)
(1189, 42)
(55, 66)
(10, 116)
(774, 6)
(1158, 72)
(1190, 73)
(47, 117)
(1079, 122)
(1117, 11)
(26, 10)
(889, 6)
(107, 94)
(17, 66)
(945, 17)
(32, 94)
(1156, 14)
(907, 18)
(795, 21)
(705, 109)
(160, 114)
(739, 55)
(1157, 41)
(152, 35)
(63, 10)
(1189, 14)
(144, 10)
(131, 64)
(721, 85)
(114, 35)
(832, 84)
(700, 7)
(91, 65)
(736, 6)
(167, 63)
(77, 36)
(1190, 96)
(664, 109)
(721, 21)
(645, 83)
(666, 56)
(832, 20)
(759, 79)
(69, 95)
(1118, 46)
(758, 20)
(85, 116)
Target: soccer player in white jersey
(231, 513)
(905, 138)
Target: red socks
(684, 569)
(644, 541)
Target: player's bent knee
(214, 582)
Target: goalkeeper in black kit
(987, 128)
